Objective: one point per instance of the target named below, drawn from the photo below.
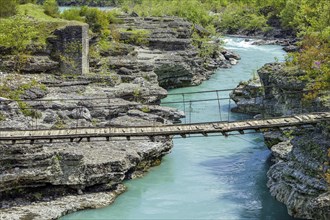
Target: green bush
(137, 37)
(97, 19)
(27, 1)
(2, 117)
(72, 14)
(17, 33)
(193, 10)
(14, 93)
(7, 8)
(51, 8)
(238, 17)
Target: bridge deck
(165, 130)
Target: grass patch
(29, 29)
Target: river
(206, 177)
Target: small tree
(7, 8)
(51, 8)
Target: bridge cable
(219, 106)
(184, 108)
(229, 111)
(190, 112)
(251, 142)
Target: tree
(7, 8)
(51, 8)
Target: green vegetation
(97, 20)
(7, 8)
(26, 1)
(14, 92)
(89, 2)
(28, 29)
(51, 8)
(237, 18)
(193, 10)
(18, 33)
(137, 36)
(2, 117)
(145, 109)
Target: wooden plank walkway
(165, 130)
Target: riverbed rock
(168, 54)
(29, 64)
(55, 208)
(248, 97)
(276, 91)
(298, 178)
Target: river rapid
(213, 177)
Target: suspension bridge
(222, 127)
(165, 130)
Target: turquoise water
(206, 177)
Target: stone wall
(69, 46)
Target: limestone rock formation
(122, 87)
(300, 175)
(167, 53)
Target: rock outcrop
(298, 178)
(163, 51)
(300, 175)
(276, 91)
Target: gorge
(121, 81)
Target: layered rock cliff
(122, 87)
(300, 175)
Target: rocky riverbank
(300, 175)
(122, 87)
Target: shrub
(238, 17)
(2, 117)
(97, 19)
(193, 10)
(51, 8)
(8, 8)
(72, 14)
(17, 33)
(137, 37)
(27, 1)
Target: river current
(213, 177)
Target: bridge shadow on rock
(245, 174)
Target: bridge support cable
(263, 109)
(184, 108)
(229, 110)
(190, 111)
(219, 106)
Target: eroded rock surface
(123, 88)
(300, 175)
(298, 178)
